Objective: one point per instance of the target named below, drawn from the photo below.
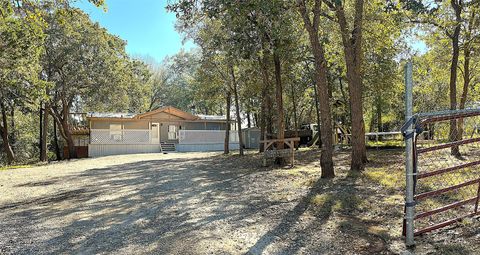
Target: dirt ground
(208, 203)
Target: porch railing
(130, 136)
(206, 136)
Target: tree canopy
(275, 65)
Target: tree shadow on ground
(215, 204)
(343, 213)
(338, 198)
(158, 205)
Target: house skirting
(205, 147)
(99, 150)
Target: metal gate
(442, 168)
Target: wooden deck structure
(270, 150)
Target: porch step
(168, 147)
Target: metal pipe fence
(442, 167)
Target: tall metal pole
(409, 202)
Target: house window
(115, 131)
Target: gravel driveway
(207, 203)
(195, 203)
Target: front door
(172, 132)
(155, 135)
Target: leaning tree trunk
(322, 89)
(4, 133)
(69, 139)
(226, 147)
(237, 110)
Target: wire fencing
(442, 168)
(448, 169)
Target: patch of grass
(393, 200)
(310, 182)
(388, 179)
(387, 143)
(3, 168)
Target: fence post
(409, 157)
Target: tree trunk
(226, 147)
(69, 139)
(40, 134)
(379, 115)
(237, 110)
(326, 157)
(466, 84)
(249, 121)
(13, 136)
(317, 109)
(455, 151)
(62, 121)
(4, 133)
(66, 130)
(359, 156)
(279, 100)
(372, 122)
(295, 117)
(352, 47)
(345, 120)
(467, 51)
(44, 134)
(265, 111)
(58, 154)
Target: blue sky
(145, 24)
(150, 30)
